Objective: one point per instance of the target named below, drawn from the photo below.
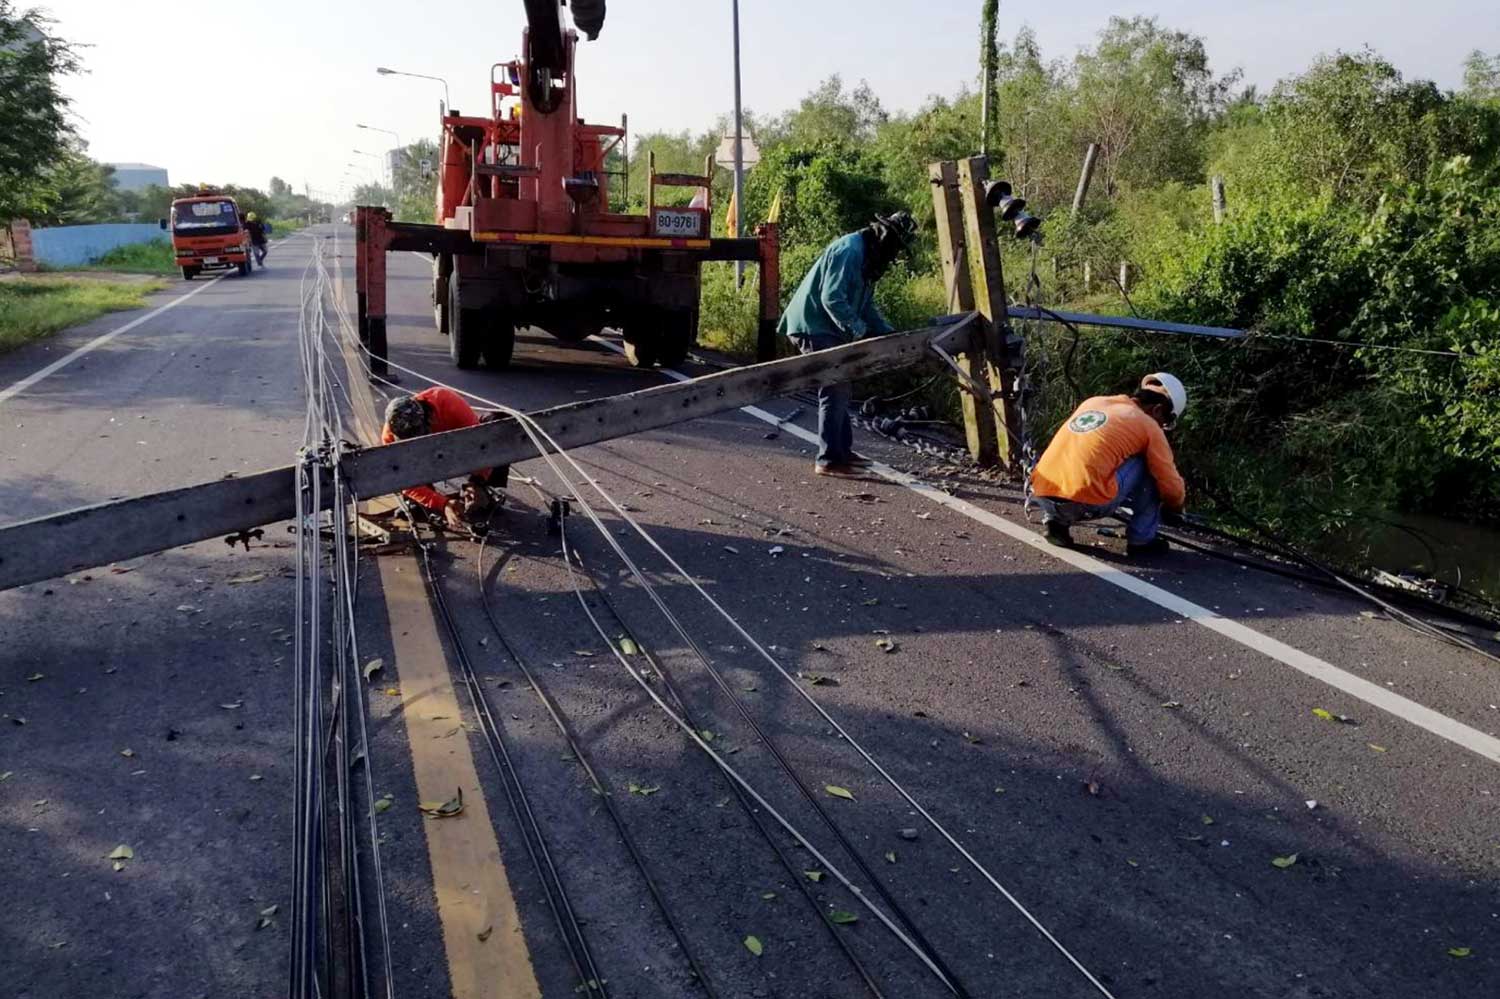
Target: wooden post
(988, 278)
(1124, 277)
(1219, 204)
(979, 418)
(1085, 177)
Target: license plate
(210, 260)
(675, 223)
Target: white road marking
(1373, 694)
(17, 388)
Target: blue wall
(71, 245)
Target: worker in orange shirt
(1111, 456)
(434, 411)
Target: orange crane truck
(523, 234)
(208, 234)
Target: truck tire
(499, 340)
(677, 333)
(442, 276)
(244, 268)
(188, 273)
(465, 329)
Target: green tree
(33, 112)
(280, 188)
(77, 190)
(831, 114)
(415, 186)
(1482, 76)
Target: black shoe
(1156, 546)
(1058, 534)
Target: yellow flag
(774, 215)
(732, 217)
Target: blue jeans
(835, 429)
(1135, 488)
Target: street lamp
(384, 71)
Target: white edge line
(17, 388)
(1373, 694)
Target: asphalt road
(1128, 774)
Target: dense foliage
(1363, 210)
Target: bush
(154, 257)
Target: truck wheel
(244, 268)
(499, 340)
(678, 334)
(442, 276)
(465, 329)
(188, 273)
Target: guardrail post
(988, 278)
(979, 419)
(770, 290)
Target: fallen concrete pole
(48, 547)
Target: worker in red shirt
(434, 411)
(1112, 456)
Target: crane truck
(523, 235)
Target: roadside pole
(979, 417)
(739, 151)
(988, 279)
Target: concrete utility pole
(739, 149)
(987, 52)
(1089, 158)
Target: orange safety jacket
(1101, 435)
(448, 412)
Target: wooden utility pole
(988, 278)
(1219, 204)
(979, 418)
(1089, 158)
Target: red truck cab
(208, 234)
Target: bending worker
(434, 411)
(835, 305)
(1111, 454)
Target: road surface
(1127, 768)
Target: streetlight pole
(739, 149)
(447, 103)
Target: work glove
(453, 516)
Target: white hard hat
(1170, 386)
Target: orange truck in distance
(208, 234)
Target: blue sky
(239, 92)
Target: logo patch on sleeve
(1089, 419)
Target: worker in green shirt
(835, 305)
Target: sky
(236, 93)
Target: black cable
(588, 768)
(792, 869)
(817, 806)
(573, 939)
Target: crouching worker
(434, 411)
(1110, 455)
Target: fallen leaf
(1172, 705)
(777, 550)
(1284, 862)
(643, 790)
(628, 647)
(890, 856)
(383, 803)
(186, 609)
(443, 810)
(1131, 862)
(33, 678)
(872, 602)
(1378, 749)
(706, 735)
(121, 852)
(1092, 787)
(731, 549)
(127, 753)
(7, 775)
(752, 944)
(768, 895)
(269, 910)
(256, 777)
(843, 918)
(584, 653)
(819, 680)
(1323, 714)
(813, 876)
(886, 645)
(393, 692)
(373, 666)
(1208, 820)
(254, 577)
(484, 934)
(839, 792)
(232, 707)
(1460, 952)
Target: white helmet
(1170, 386)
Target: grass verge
(34, 307)
(154, 257)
